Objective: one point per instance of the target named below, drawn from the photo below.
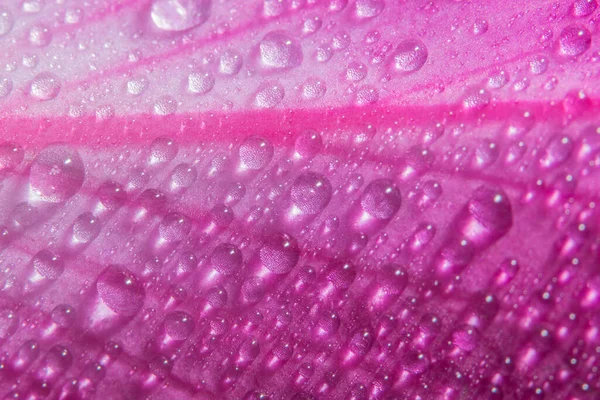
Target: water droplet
(179, 15)
(557, 151)
(486, 154)
(480, 26)
(381, 199)
(54, 364)
(32, 6)
(538, 64)
(574, 40)
(492, 211)
(11, 156)
(410, 55)
(174, 227)
(313, 88)
(476, 99)
(162, 150)
(9, 323)
(6, 86)
(369, 8)
(40, 36)
(73, 16)
(583, 8)
(48, 264)
(165, 105)
(356, 71)
(366, 95)
(280, 253)
(6, 22)
(279, 50)
(226, 259)
(200, 82)
(311, 25)
(230, 63)
(63, 315)
(178, 325)
(498, 79)
(255, 153)
(341, 41)
(121, 291)
(111, 197)
(466, 338)
(182, 177)
(307, 145)
(56, 174)
(138, 85)
(45, 86)
(311, 193)
(269, 95)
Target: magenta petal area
(299, 199)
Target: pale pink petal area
(299, 199)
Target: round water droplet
(356, 71)
(11, 156)
(480, 26)
(574, 40)
(269, 95)
(111, 195)
(182, 177)
(9, 323)
(410, 55)
(498, 79)
(366, 95)
(174, 227)
(179, 15)
(369, 8)
(226, 259)
(466, 338)
(165, 105)
(583, 8)
(73, 16)
(538, 64)
(6, 86)
(200, 82)
(63, 315)
(381, 199)
(280, 50)
(341, 41)
(311, 193)
(558, 150)
(48, 264)
(45, 86)
(179, 325)
(6, 22)
(55, 363)
(230, 63)
(255, 153)
(32, 6)
(138, 85)
(307, 145)
(341, 274)
(313, 88)
(311, 25)
(121, 291)
(492, 209)
(162, 150)
(40, 36)
(280, 253)
(56, 174)
(476, 99)
(486, 154)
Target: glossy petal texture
(299, 199)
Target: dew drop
(538, 64)
(182, 177)
(56, 174)
(40, 36)
(311, 25)
(226, 259)
(230, 63)
(480, 26)
(9, 323)
(178, 325)
(11, 156)
(86, 228)
(311, 193)
(63, 315)
(54, 364)
(6, 22)
(73, 16)
(48, 264)
(366, 95)
(574, 40)
(381, 199)
(45, 86)
(498, 79)
(162, 150)
(269, 95)
(369, 8)
(137, 85)
(165, 105)
(174, 227)
(200, 82)
(341, 41)
(583, 8)
(313, 89)
(32, 6)
(121, 291)
(476, 99)
(307, 145)
(557, 151)
(179, 15)
(279, 253)
(6, 86)
(491, 208)
(410, 55)
(279, 50)
(356, 71)
(255, 153)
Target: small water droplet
(45, 86)
(56, 174)
(179, 15)
(279, 50)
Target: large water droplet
(45, 86)
(313, 88)
(121, 291)
(179, 15)
(200, 82)
(226, 259)
(230, 63)
(410, 55)
(574, 40)
(11, 156)
(280, 50)
(381, 199)
(48, 264)
(57, 173)
(311, 193)
(280, 253)
(6, 22)
(269, 95)
(255, 153)
(583, 8)
(369, 8)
